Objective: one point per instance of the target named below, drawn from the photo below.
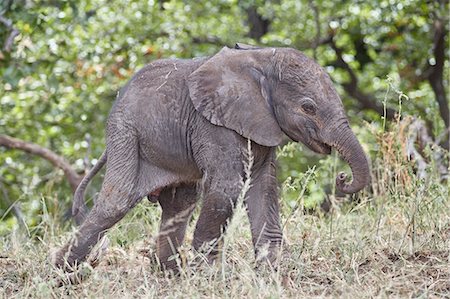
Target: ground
(381, 247)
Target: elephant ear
(231, 91)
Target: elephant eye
(308, 106)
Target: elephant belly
(165, 151)
(156, 174)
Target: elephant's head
(263, 93)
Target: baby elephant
(179, 124)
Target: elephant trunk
(351, 151)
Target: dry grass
(393, 242)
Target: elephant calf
(180, 122)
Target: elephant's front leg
(219, 199)
(177, 204)
(263, 211)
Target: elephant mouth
(313, 144)
(319, 147)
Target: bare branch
(366, 101)
(317, 40)
(6, 22)
(436, 73)
(72, 177)
(14, 32)
(258, 25)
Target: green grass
(393, 241)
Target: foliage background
(69, 58)
(63, 61)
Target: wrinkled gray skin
(180, 124)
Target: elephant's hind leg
(177, 204)
(118, 195)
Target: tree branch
(13, 143)
(14, 32)
(436, 73)
(259, 25)
(317, 40)
(365, 100)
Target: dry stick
(58, 161)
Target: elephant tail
(79, 208)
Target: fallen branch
(71, 175)
(417, 142)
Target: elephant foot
(171, 265)
(63, 259)
(72, 278)
(67, 260)
(201, 259)
(269, 256)
(207, 254)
